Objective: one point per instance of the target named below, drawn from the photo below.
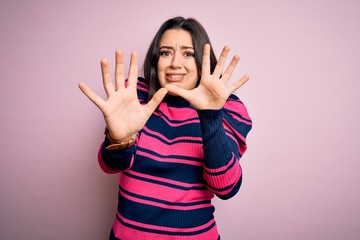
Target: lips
(174, 77)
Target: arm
(114, 161)
(223, 132)
(224, 143)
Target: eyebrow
(182, 47)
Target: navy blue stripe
(192, 129)
(164, 183)
(237, 114)
(176, 102)
(116, 159)
(178, 121)
(241, 127)
(173, 142)
(143, 97)
(180, 172)
(163, 216)
(233, 97)
(163, 201)
(167, 232)
(223, 171)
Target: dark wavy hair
(199, 39)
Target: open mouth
(174, 77)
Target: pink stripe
(165, 180)
(231, 136)
(140, 87)
(179, 114)
(162, 205)
(242, 148)
(124, 232)
(161, 192)
(238, 107)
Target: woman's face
(176, 64)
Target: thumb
(178, 91)
(156, 100)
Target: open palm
(212, 91)
(124, 115)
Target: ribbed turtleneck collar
(175, 101)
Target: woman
(175, 136)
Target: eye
(165, 53)
(189, 54)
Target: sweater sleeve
(224, 134)
(114, 161)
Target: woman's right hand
(124, 115)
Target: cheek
(161, 65)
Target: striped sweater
(181, 159)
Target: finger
(98, 101)
(238, 84)
(119, 70)
(156, 100)
(108, 85)
(230, 69)
(205, 68)
(175, 90)
(221, 62)
(133, 70)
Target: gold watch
(118, 146)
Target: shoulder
(233, 102)
(235, 106)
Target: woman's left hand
(212, 91)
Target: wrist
(118, 144)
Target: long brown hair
(199, 39)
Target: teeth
(175, 77)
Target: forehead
(175, 37)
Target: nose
(176, 60)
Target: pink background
(301, 172)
